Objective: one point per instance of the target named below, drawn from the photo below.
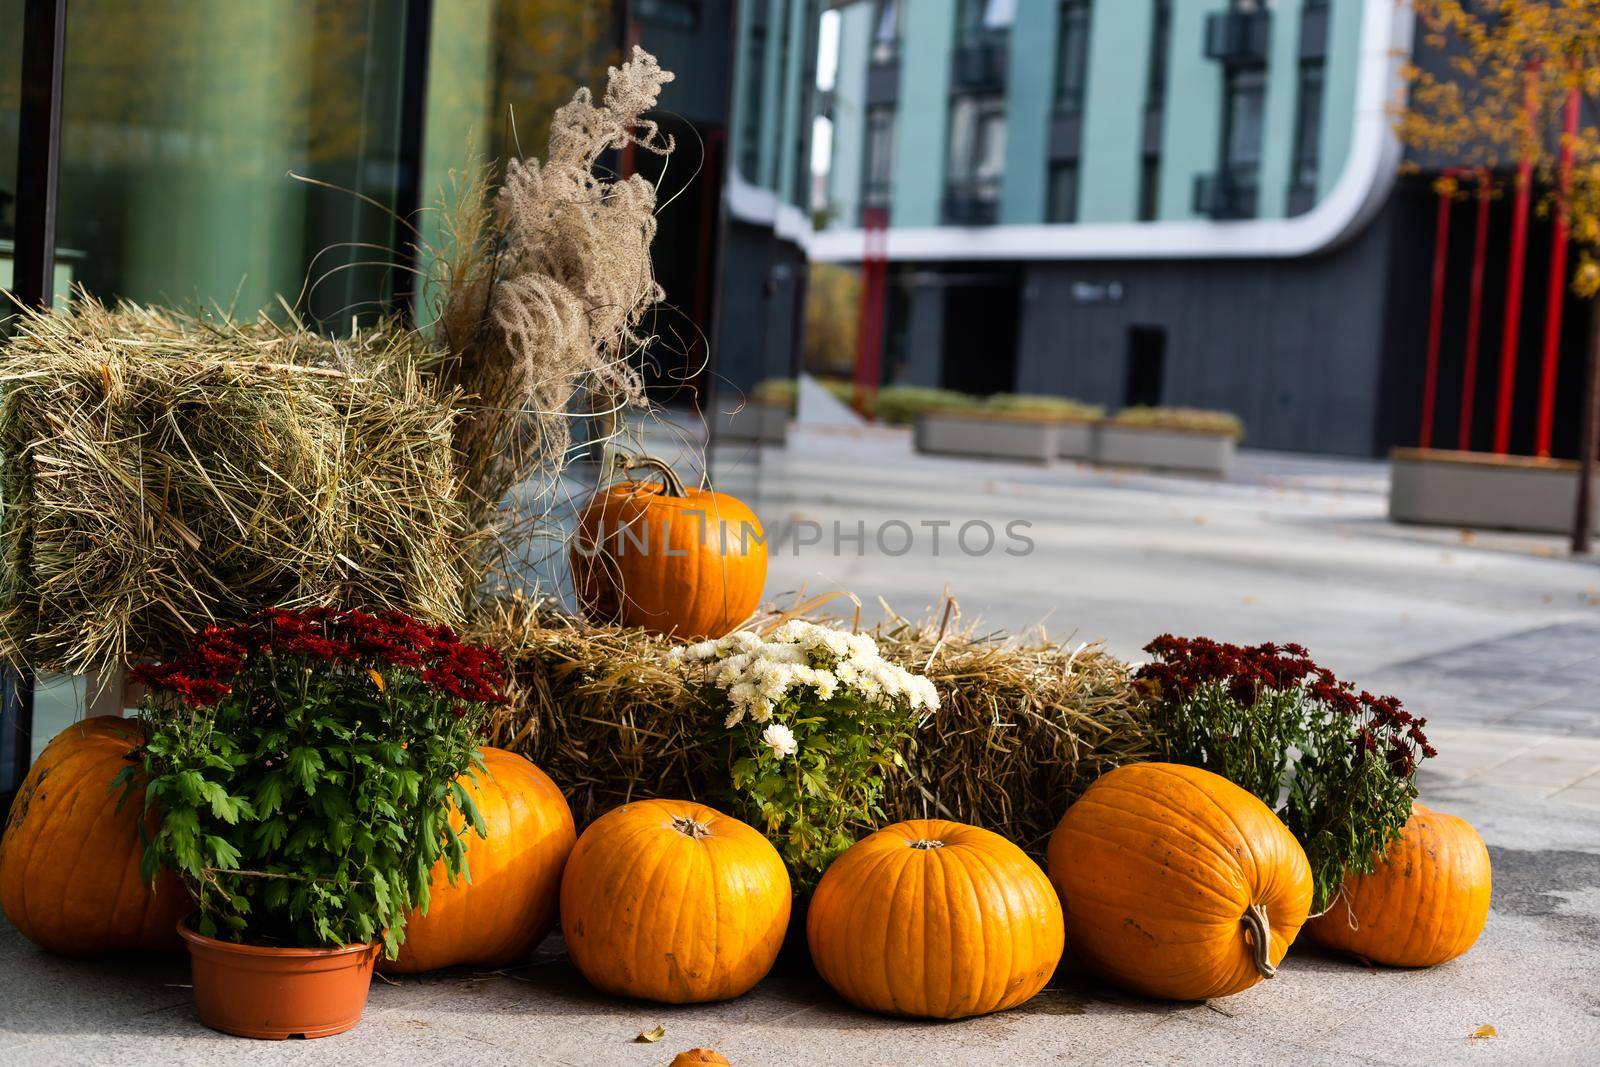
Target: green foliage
(903, 403)
(308, 805)
(779, 392)
(1339, 767)
(1032, 404)
(1194, 420)
(805, 725)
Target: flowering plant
(810, 719)
(303, 766)
(1337, 765)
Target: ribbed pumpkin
(685, 562)
(69, 861)
(1425, 903)
(935, 919)
(673, 901)
(1176, 883)
(498, 917)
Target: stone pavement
(1495, 637)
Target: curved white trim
(1362, 189)
(762, 207)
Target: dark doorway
(1147, 366)
(980, 334)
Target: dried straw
(1025, 726)
(159, 472)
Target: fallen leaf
(1484, 1031)
(648, 1037)
(1199, 520)
(1468, 536)
(1249, 600)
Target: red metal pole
(1514, 283)
(1430, 376)
(1469, 377)
(1557, 294)
(1513, 323)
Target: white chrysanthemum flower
(761, 710)
(735, 717)
(780, 739)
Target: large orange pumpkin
(936, 919)
(1425, 903)
(689, 563)
(673, 901)
(498, 917)
(1176, 883)
(69, 861)
(696, 1056)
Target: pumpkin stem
(671, 484)
(924, 844)
(689, 828)
(1259, 934)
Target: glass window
(1072, 55)
(1244, 111)
(878, 172)
(1308, 126)
(978, 144)
(1149, 188)
(886, 31)
(1155, 94)
(977, 19)
(1064, 192)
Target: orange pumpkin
(936, 919)
(697, 1056)
(673, 901)
(1176, 883)
(499, 916)
(689, 563)
(69, 861)
(1425, 903)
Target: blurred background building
(1176, 202)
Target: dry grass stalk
(543, 292)
(1024, 726)
(161, 472)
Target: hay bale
(159, 472)
(1023, 727)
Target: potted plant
(1184, 439)
(302, 769)
(805, 723)
(1010, 426)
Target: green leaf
(305, 764)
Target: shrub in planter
(1188, 420)
(776, 392)
(809, 720)
(69, 861)
(936, 919)
(673, 901)
(303, 766)
(1178, 884)
(1266, 717)
(1425, 902)
(1041, 406)
(903, 403)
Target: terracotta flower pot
(276, 993)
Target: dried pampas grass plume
(543, 293)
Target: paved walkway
(1493, 636)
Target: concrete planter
(964, 434)
(766, 424)
(1178, 450)
(1475, 489)
(1075, 440)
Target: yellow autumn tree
(1498, 99)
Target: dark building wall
(1294, 347)
(760, 313)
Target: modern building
(1181, 202)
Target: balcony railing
(1225, 195)
(1239, 38)
(979, 64)
(971, 204)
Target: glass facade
(1072, 56)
